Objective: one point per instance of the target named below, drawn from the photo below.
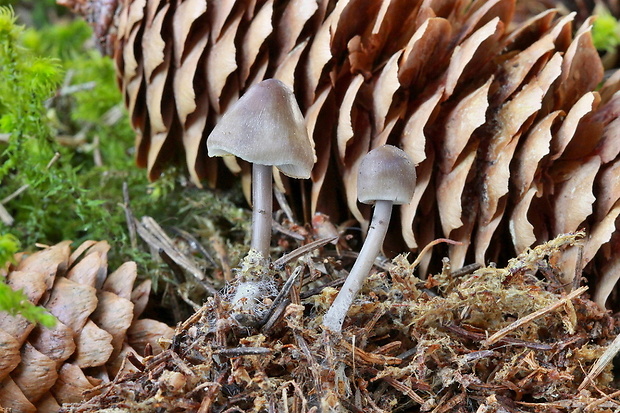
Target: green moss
(40, 11)
(70, 198)
(606, 32)
(9, 245)
(16, 302)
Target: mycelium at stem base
(334, 318)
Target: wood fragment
(301, 251)
(155, 236)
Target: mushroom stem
(334, 317)
(262, 200)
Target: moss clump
(16, 302)
(58, 99)
(606, 32)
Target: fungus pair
(266, 128)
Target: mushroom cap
(386, 174)
(265, 126)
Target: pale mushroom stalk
(370, 250)
(262, 178)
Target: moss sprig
(16, 302)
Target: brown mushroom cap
(265, 126)
(386, 174)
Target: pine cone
(96, 327)
(513, 143)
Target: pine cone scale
(114, 315)
(72, 303)
(10, 353)
(93, 346)
(55, 342)
(36, 373)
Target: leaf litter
(513, 339)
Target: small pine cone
(96, 326)
(512, 139)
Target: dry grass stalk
(522, 321)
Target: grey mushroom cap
(386, 174)
(265, 126)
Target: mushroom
(266, 128)
(386, 177)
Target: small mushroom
(386, 177)
(266, 128)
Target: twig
(284, 206)
(524, 320)
(194, 244)
(272, 315)
(431, 245)
(317, 290)
(154, 235)
(282, 229)
(448, 405)
(181, 365)
(602, 362)
(69, 90)
(15, 194)
(606, 398)
(365, 358)
(131, 225)
(313, 365)
(243, 351)
(97, 159)
(466, 270)
(222, 255)
(508, 340)
(279, 263)
(205, 405)
(5, 217)
(408, 391)
(52, 161)
(113, 115)
(578, 268)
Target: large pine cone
(97, 313)
(512, 142)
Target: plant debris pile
(493, 339)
